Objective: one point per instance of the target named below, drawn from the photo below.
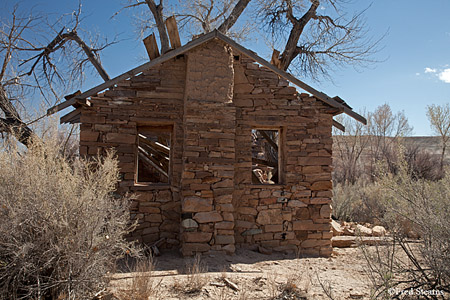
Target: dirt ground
(249, 275)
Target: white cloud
(445, 76)
(430, 70)
(417, 74)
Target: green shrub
(61, 226)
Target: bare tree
(348, 148)
(439, 117)
(316, 42)
(34, 66)
(313, 43)
(198, 16)
(386, 130)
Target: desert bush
(358, 202)
(425, 206)
(61, 226)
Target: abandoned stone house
(218, 149)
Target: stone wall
(209, 154)
(294, 215)
(154, 97)
(214, 97)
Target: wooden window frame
(281, 155)
(154, 129)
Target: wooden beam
(338, 125)
(151, 46)
(67, 118)
(268, 139)
(264, 162)
(172, 31)
(160, 147)
(151, 162)
(354, 115)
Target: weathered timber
(172, 31)
(151, 46)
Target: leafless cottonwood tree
(312, 43)
(40, 58)
(348, 148)
(439, 117)
(385, 130)
(198, 16)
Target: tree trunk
(290, 51)
(159, 20)
(232, 18)
(12, 122)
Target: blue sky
(415, 62)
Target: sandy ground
(256, 276)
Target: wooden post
(276, 58)
(151, 46)
(172, 30)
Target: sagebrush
(61, 225)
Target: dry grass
(193, 283)
(143, 285)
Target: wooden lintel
(172, 31)
(338, 125)
(276, 58)
(151, 46)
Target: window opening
(153, 157)
(265, 156)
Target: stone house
(218, 148)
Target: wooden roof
(334, 102)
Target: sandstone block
(189, 224)
(208, 217)
(196, 204)
(197, 237)
(296, 203)
(224, 239)
(272, 216)
(273, 228)
(224, 225)
(252, 231)
(325, 211)
(378, 231)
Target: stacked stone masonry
(213, 97)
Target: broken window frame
(159, 149)
(280, 156)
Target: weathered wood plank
(149, 161)
(172, 31)
(66, 118)
(338, 125)
(151, 46)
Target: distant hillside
(430, 143)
